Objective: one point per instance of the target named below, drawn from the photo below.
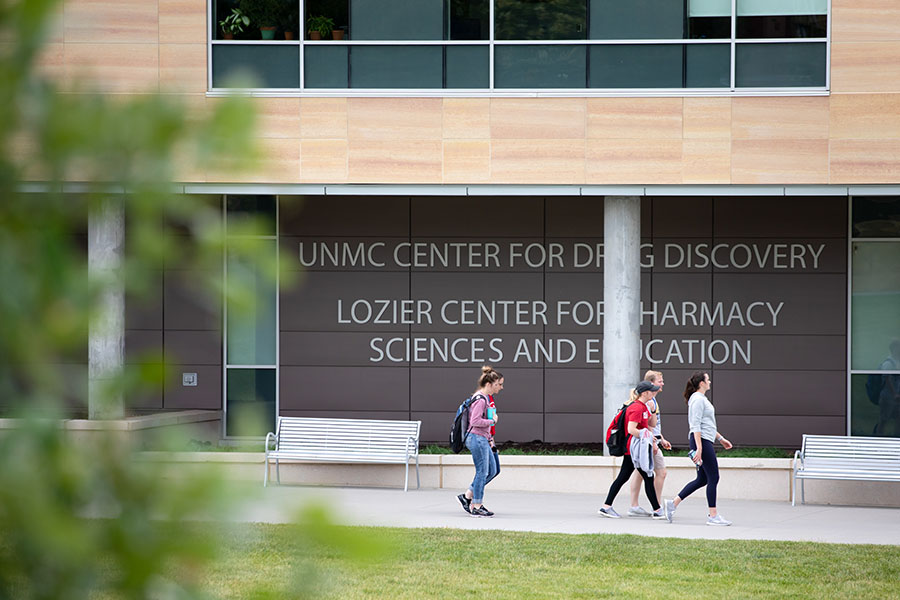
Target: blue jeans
(485, 465)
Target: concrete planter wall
(200, 425)
(745, 478)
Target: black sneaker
(465, 503)
(481, 511)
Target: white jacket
(641, 450)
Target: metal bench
(343, 440)
(843, 457)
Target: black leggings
(707, 473)
(624, 475)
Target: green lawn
(452, 564)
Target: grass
(453, 564)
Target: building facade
(439, 175)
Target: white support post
(106, 346)
(621, 300)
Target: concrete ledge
(203, 425)
(741, 478)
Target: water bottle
(691, 456)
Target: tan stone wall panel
(106, 21)
(634, 118)
(537, 118)
(395, 161)
(638, 161)
(394, 118)
(706, 161)
(51, 62)
(865, 161)
(466, 118)
(279, 163)
(467, 161)
(775, 161)
(182, 21)
(537, 161)
(182, 68)
(865, 116)
(707, 118)
(323, 161)
(865, 20)
(323, 118)
(278, 117)
(865, 67)
(115, 68)
(779, 118)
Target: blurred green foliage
(86, 519)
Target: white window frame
(492, 91)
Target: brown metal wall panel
(353, 216)
(772, 393)
(143, 346)
(574, 391)
(778, 431)
(344, 388)
(813, 304)
(325, 301)
(681, 217)
(553, 370)
(186, 306)
(771, 216)
(146, 311)
(207, 394)
(444, 388)
(194, 347)
(474, 216)
(574, 428)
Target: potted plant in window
(265, 14)
(291, 20)
(319, 27)
(234, 23)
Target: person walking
(480, 442)
(637, 418)
(659, 463)
(702, 437)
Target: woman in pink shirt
(480, 442)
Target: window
(477, 47)
(875, 317)
(251, 316)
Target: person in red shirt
(637, 417)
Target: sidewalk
(577, 514)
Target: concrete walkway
(577, 514)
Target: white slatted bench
(843, 457)
(343, 440)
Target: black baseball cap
(645, 386)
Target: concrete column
(621, 300)
(106, 345)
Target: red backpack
(617, 433)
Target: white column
(106, 345)
(621, 300)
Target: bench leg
(406, 481)
(794, 490)
(418, 485)
(266, 475)
(802, 492)
(278, 471)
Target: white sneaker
(669, 509)
(718, 520)
(637, 511)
